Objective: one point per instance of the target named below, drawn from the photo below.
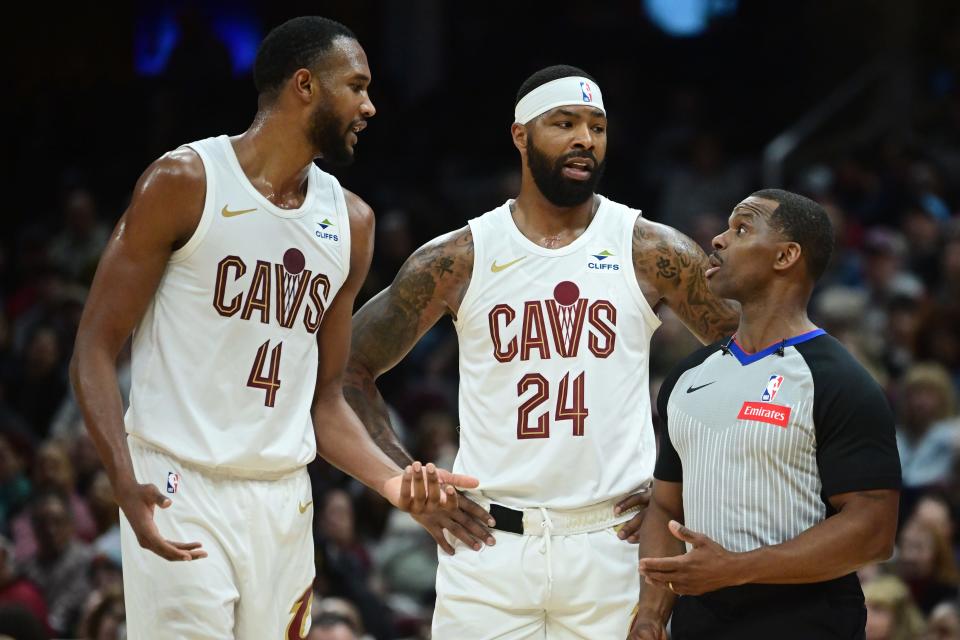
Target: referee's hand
(706, 567)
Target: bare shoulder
(169, 196)
(174, 173)
(360, 213)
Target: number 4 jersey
(554, 354)
(225, 357)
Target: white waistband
(148, 448)
(565, 522)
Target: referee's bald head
(805, 222)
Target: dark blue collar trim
(749, 358)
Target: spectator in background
(15, 590)
(82, 236)
(41, 384)
(922, 232)
(934, 509)
(61, 567)
(928, 433)
(106, 516)
(18, 624)
(53, 472)
(949, 290)
(938, 338)
(884, 275)
(437, 436)
(926, 564)
(330, 626)
(14, 485)
(707, 182)
(944, 622)
(891, 614)
(105, 618)
(343, 564)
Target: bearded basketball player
(553, 296)
(235, 267)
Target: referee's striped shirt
(761, 441)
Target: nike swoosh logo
(497, 268)
(226, 213)
(692, 389)
(303, 507)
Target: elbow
(881, 541)
(884, 548)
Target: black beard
(329, 137)
(548, 176)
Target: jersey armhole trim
(630, 274)
(206, 217)
(344, 213)
(466, 303)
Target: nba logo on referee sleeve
(773, 386)
(173, 481)
(585, 90)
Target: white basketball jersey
(225, 357)
(554, 350)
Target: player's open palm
(138, 504)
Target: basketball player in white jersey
(235, 267)
(553, 296)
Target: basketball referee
(778, 455)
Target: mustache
(579, 154)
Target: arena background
(854, 103)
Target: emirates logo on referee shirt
(764, 411)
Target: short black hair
(331, 620)
(805, 222)
(550, 74)
(298, 43)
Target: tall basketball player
(553, 296)
(236, 267)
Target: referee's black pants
(811, 617)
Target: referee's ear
(788, 254)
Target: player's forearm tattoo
(388, 326)
(675, 265)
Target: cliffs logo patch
(586, 91)
(322, 232)
(765, 412)
(773, 386)
(173, 482)
(602, 263)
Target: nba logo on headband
(585, 91)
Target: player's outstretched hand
(631, 528)
(138, 504)
(430, 495)
(469, 522)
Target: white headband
(572, 90)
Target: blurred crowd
(891, 295)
